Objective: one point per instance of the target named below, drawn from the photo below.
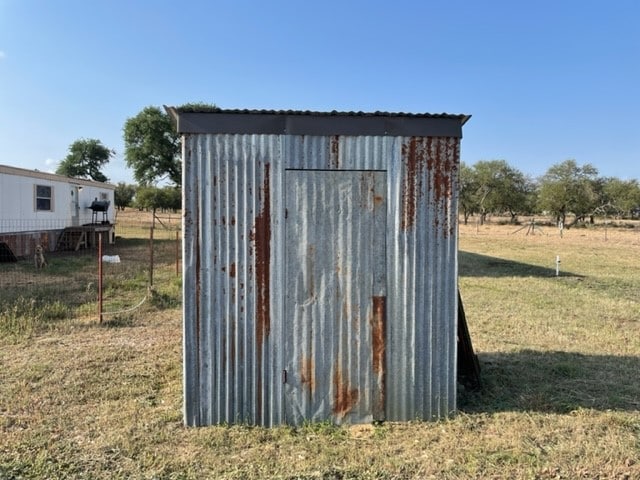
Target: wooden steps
(72, 238)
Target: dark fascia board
(318, 123)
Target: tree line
(148, 197)
(567, 189)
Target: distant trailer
(320, 266)
(36, 208)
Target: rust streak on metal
(232, 270)
(378, 341)
(441, 174)
(437, 157)
(261, 237)
(378, 333)
(262, 242)
(308, 374)
(335, 151)
(454, 155)
(414, 157)
(433, 164)
(345, 397)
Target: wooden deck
(85, 236)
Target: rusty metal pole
(151, 257)
(177, 254)
(100, 276)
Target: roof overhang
(217, 121)
(23, 172)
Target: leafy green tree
(124, 195)
(468, 187)
(173, 198)
(516, 193)
(85, 159)
(152, 147)
(569, 188)
(149, 198)
(500, 188)
(532, 192)
(153, 198)
(620, 196)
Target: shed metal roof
(294, 122)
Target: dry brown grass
(560, 360)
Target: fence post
(151, 257)
(100, 276)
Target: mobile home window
(44, 197)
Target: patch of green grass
(25, 316)
(68, 264)
(123, 283)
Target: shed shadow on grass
(554, 382)
(476, 265)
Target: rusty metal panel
(240, 278)
(339, 152)
(335, 293)
(422, 279)
(227, 226)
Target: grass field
(560, 359)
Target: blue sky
(544, 81)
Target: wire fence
(137, 253)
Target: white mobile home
(37, 207)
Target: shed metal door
(335, 293)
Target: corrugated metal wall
(250, 352)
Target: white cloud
(51, 165)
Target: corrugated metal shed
(320, 266)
